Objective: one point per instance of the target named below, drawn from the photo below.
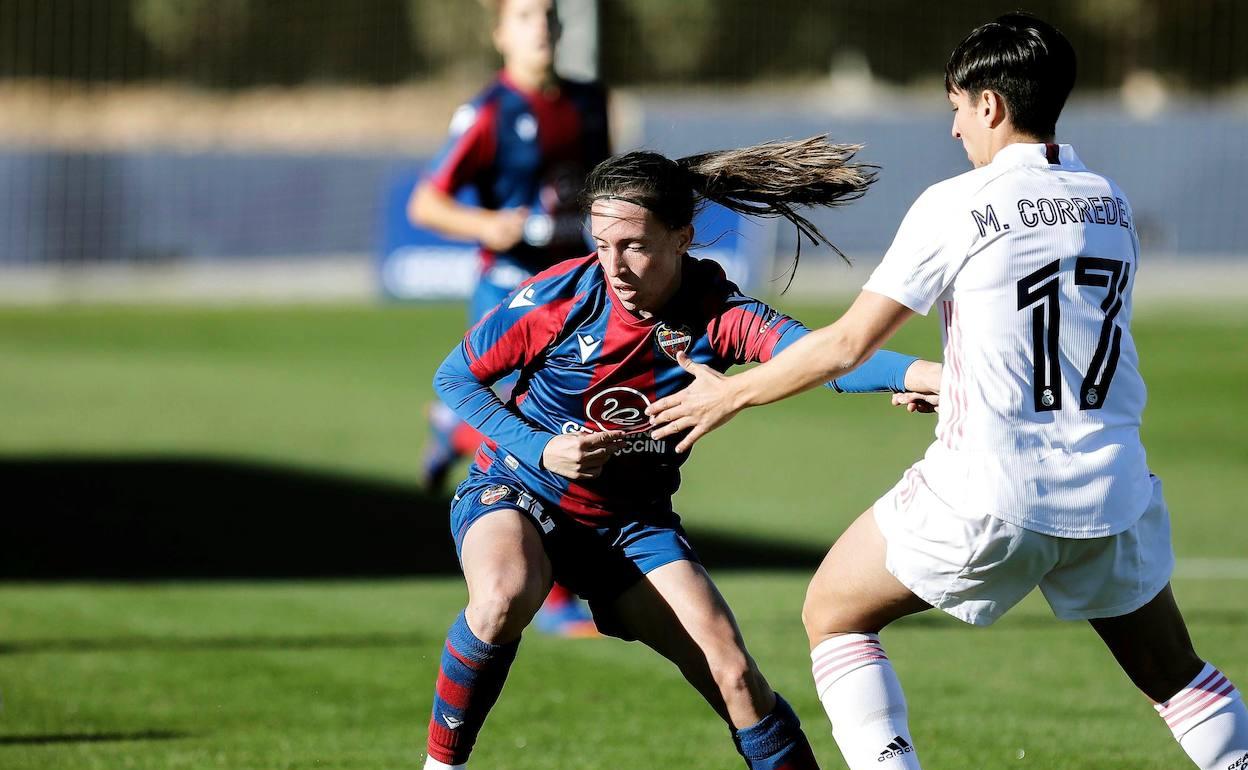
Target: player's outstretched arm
(823, 355)
(924, 377)
(496, 230)
(886, 371)
(747, 330)
(922, 392)
(478, 405)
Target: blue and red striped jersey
(587, 364)
(515, 147)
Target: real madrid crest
(673, 339)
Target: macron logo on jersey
(588, 345)
(463, 119)
(523, 299)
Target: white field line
(1211, 569)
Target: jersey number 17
(1040, 291)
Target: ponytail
(771, 179)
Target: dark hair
(1026, 61)
(767, 180)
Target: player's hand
(704, 405)
(580, 456)
(923, 377)
(504, 229)
(926, 403)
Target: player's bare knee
(737, 678)
(499, 612)
(820, 615)
(811, 617)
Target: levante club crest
(494, 494)
(673, 339)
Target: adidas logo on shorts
(895, 748)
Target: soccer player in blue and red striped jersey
(569, 486)
(523, 147)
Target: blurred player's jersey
(521, 148)
(587, 364)
(1032, 260)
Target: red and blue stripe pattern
(587, 364)
(511, 148)
(470, 678)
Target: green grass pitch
(258, 674)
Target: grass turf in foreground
(340, 675)
(283, 675)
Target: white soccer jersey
(1032, 259)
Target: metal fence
(1195, 44)
(94, 168)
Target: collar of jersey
(1026, 154)
(545, 96)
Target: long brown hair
(771, 179)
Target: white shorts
(976, 567)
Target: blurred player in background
(567, 484)
(1037, 476)
(523, 146)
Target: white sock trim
(1204, 696)
(833, 658)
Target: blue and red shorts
(597, 563)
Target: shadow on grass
(54, 738)
(217, 643)
(187, 518)
(929, 621)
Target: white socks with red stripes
(863, 698)
(1210, 722)
(860, 692)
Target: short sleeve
(747, 330)
(469, 148)
(930, 248)
(523, 326)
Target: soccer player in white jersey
(1037, 476)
